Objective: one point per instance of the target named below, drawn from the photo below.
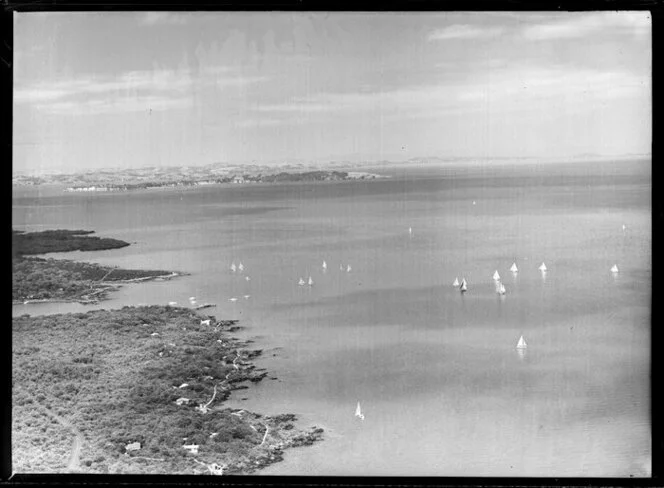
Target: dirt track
(77, 442)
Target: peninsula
(137, 390)
(38, 279)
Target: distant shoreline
(120, 182)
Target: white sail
(358, 411)
(496, 276)
(301, 282)
(324, 265)
(464, 285)
(240, 266)
(456, 282)
(542, 267)
(624, 227)
(614, 269)
(311, 282)
(233, 268)
(410, 230)
(514, 269)
(501, 289)
(348, 268)
(522, 343)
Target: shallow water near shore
(442, 387)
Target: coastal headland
(134, 390)
(59, 280)
(139, 390)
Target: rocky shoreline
(162, 365)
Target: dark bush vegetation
(103, 373)
(41, 279)
(60, 241)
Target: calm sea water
(442, 387)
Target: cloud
(576, 25)
(129, 91)
(163, 18)
(510, 88)
(300, 105)
(257, 123)
(464, 31)
(125, 105)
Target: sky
(134, 89)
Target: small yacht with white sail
(301, 282)
(500, 288)
(324, 266)
(233, 268)
(348, 269)
(514, 269)
(240, 267)
(542, 268)
(496, 276)
(358, 411)
(464, 286)
(311, 282)
(522, 343)
(456, 281)
(614, 268)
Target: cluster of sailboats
(500, 287)
(310, 281)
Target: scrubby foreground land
(125, 391)
(36, 279)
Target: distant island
(146, 178)
(125, 179)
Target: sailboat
(542, 267)
(233, 268)
(514, 269)
(501, 289)
(348, 268)
(456, 282)
(496, 276)
(410, 231)
(324, 265)
(311, 282)
(301, 282)
(614, 269)
(240, 267)
(522, 343)
(464, 286)
(358, 411)
(624, 227)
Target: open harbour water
(442, 387)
